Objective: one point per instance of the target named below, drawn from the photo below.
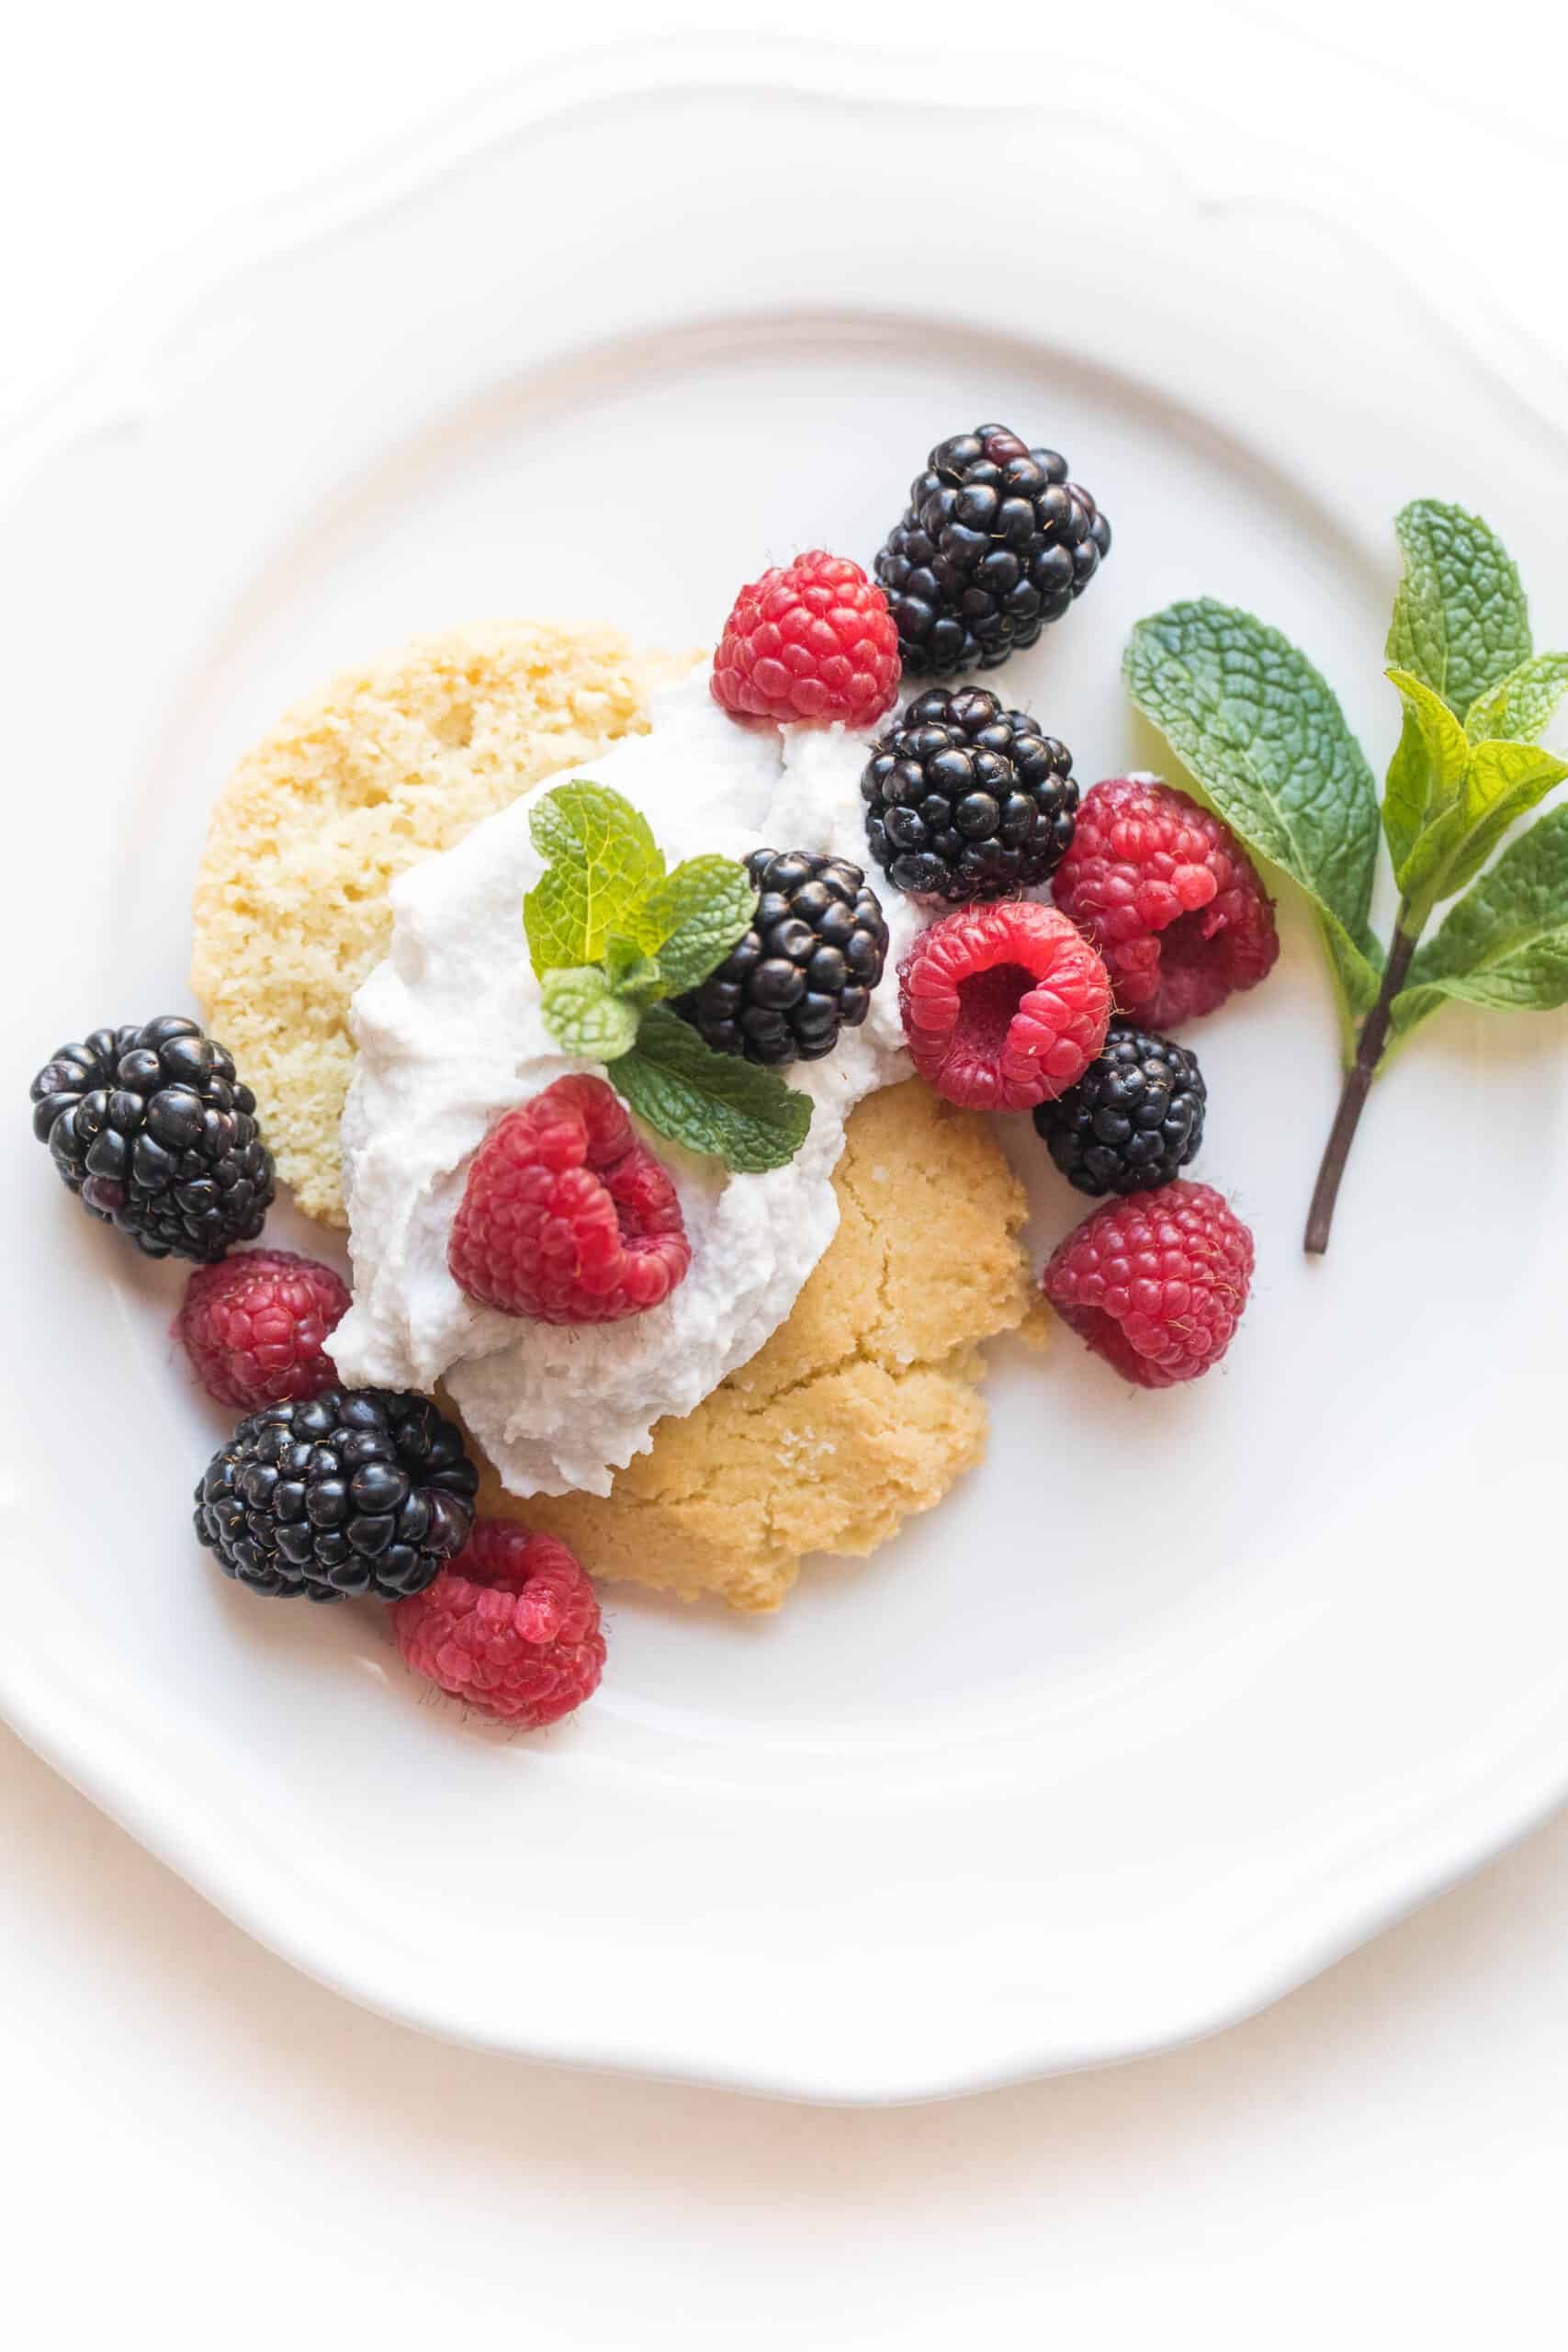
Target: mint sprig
(611, 933)
(712, 1102)
(1267, 744)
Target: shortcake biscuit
(393, 762)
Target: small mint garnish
(610, 932)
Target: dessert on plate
(643, 1018)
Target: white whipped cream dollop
(451, 1036)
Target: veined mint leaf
(1505, 943)
(1268, 744)
(603, 861)
(1461, 622)
(1520, 708)
(1426, 774)
(694, 917)
(585, 1016)
(715, 1104)
(629, 972)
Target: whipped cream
(451, 1036)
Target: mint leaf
(1426, 773)
(1520, 708)
(694, 917)
(1461, 622)
(629, 972)
(712, 1102)
(1505, 943)
(1268, 744)
(585, 1016)
(603, 861)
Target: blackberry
(966, 801)
(1134, 1120)
(803, 971)
(153, 1131)
(354, 1491)
(995, 542)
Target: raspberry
(1170, 897)
(511, 1627)
(1004, 1006)
(254, 1327)
(1156, 1283)
(810, 639)
(566, 1217)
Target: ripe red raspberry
(810, 639)
(511, 1626)
(1156, 1283)
(1004, 1005)
(255, 1326)
(566, 1217)
(1170, 897)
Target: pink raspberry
(1170, 897)
(511, 1626)
(811, 640)
(566, 1217)
(256, 1325)
(1004, 1005)
(1156, 1283)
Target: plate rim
(1498, 1810)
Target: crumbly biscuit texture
(861, 1408)
(394, 762)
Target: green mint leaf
(629, 972)
(1267, 745)
(1426, 774)
(585, 1016)
(1504, 782)
(694, 917)
(1461, 622)
(1521, 707)
(603, 861)
(1505, 943)
(1499, 783)
(712, 1102)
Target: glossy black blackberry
(965, 800)
(995, 542)
(803, 971)
(354, 1491)
(151, 1128)
(1134, 1120)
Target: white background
(195, 2139)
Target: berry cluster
(321, 1492)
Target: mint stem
(1357, 1086)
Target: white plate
(1182, 1694)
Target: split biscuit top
(393, 762)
